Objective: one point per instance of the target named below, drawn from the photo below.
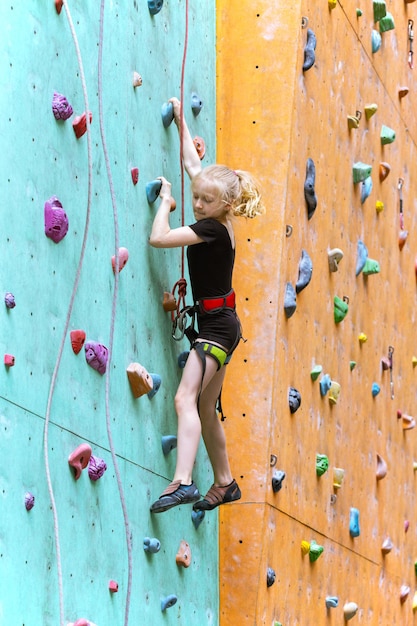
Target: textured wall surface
(284, 117)
(41, 157)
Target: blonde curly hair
(238, 188)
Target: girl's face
(208, 201)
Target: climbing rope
(113, 315)
(66, 326)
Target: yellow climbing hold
(332, 4)
(415, 601)
(379, 206)
(362, 338)
(370, 110)
(338, 476)
(414, 361)
(305, 547)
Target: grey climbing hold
(270, 577)
(277, 480)
(167, 114)
(305, 271)
(151, 544)
(196, 103)
(334, 256)
(182, 358)
(309, 50)
(294, 399)
(366, 189)
(169, 443)
(362, 255)
(156, 385)
(197, 517)
(309, 188)
(290, 300)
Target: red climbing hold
(77, 340)
(79, 458)
(135, 175)
(9, 360)
(58, 6)
(80, 124)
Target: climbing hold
(380, 9)
(376, 40)
(414, 605)
(9, 360)
(384, 170)
(294, 399)
(183, 556)
(338, 476)
(134, 172)
(56, 220)
(408, 422)
(96, 356)
(387, 135)
(196, 103)
(402, 92)
(139, 379)
(386, 23)
(137, 80)
(402, 238)
(315, 551)
(379, 206)
(361, 256)
(309, 50)
(305, 547)
(197, 517)
(167, 602)
(387, 546)
(277, 480)
(58, 5)
(169, 442)
(167, 114)
(315, 372)
(381, 467)
(309, 188)
(288, 230)
(322, 464)
(290, 300)
(305, 271)
(155, 6)
(375, 389)
(79, 124)
(414, 361)
(371, 267)
(152, 190)
(334, 256)
(96, 467)
(270, 577)
(332, 602)
(9, 300)
(340, 309)
(168, 302)
(29, 501)
(366, 189)
(156, 379)
(353, 120)
(113, 586)
(61, 108)
(200, 146)
(123, 259)
(404, 591)
(361, 171)
(406, 525)
(370, 110)
(354, 529)
(352, 365)
(273, 460)
(182, 358)
(359, 13)
(325, 384)
(332, 4)
(151, 545)
(81, 622)
(349, 610)
(362, 338)
(77, 338)
(79, 458)
(334, 392)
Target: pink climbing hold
(113, 586)
(80, 124)
(82, 622)
(77, 340)
(9, 360)
(123, 258)
(79, 458)
(96, 467)
(9, 300)
(135, 175)
(61, 108)
(29, 501)
(56, 220)
(96, 356)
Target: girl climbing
(218, 193)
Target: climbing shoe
(175, 494)
(218, 495)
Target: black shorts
(222, 327)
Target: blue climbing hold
(182, 359)
(196, 103)
(305, 271)
(169, 442)
(362, 255)
(156, 384)
(332, 602)
(167, 113)
(376, 41)
(197, 517)
(167, 602)
(354, 529)
(151, 544)
(375, 389)
(366, 189)
(152, 190)
(290, 300)
(325, 384)
(155, 6)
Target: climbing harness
(410, 43)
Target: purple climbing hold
(96, 467)
(29, 501)
(96, 356)
(9, 300)
(56, 220)
(61, 108)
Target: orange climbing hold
(384, 170)
(58, 6)
(77, 340)
(200, 146)
(140, 381)
(169, 303)
(183, 557)
(79, 458)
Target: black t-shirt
(210, 263)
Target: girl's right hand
(165, 192)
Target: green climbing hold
(380, 9)
(352, 365)
(386, 23)
(361, 171)
(315, 372)
(387, 135)
(322, 464)
(340, 309)
(315, 551)
(371, 267)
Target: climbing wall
(58, 558)
(302, 548)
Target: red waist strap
(209, 305)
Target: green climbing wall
(41, 157)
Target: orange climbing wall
(272, 117)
